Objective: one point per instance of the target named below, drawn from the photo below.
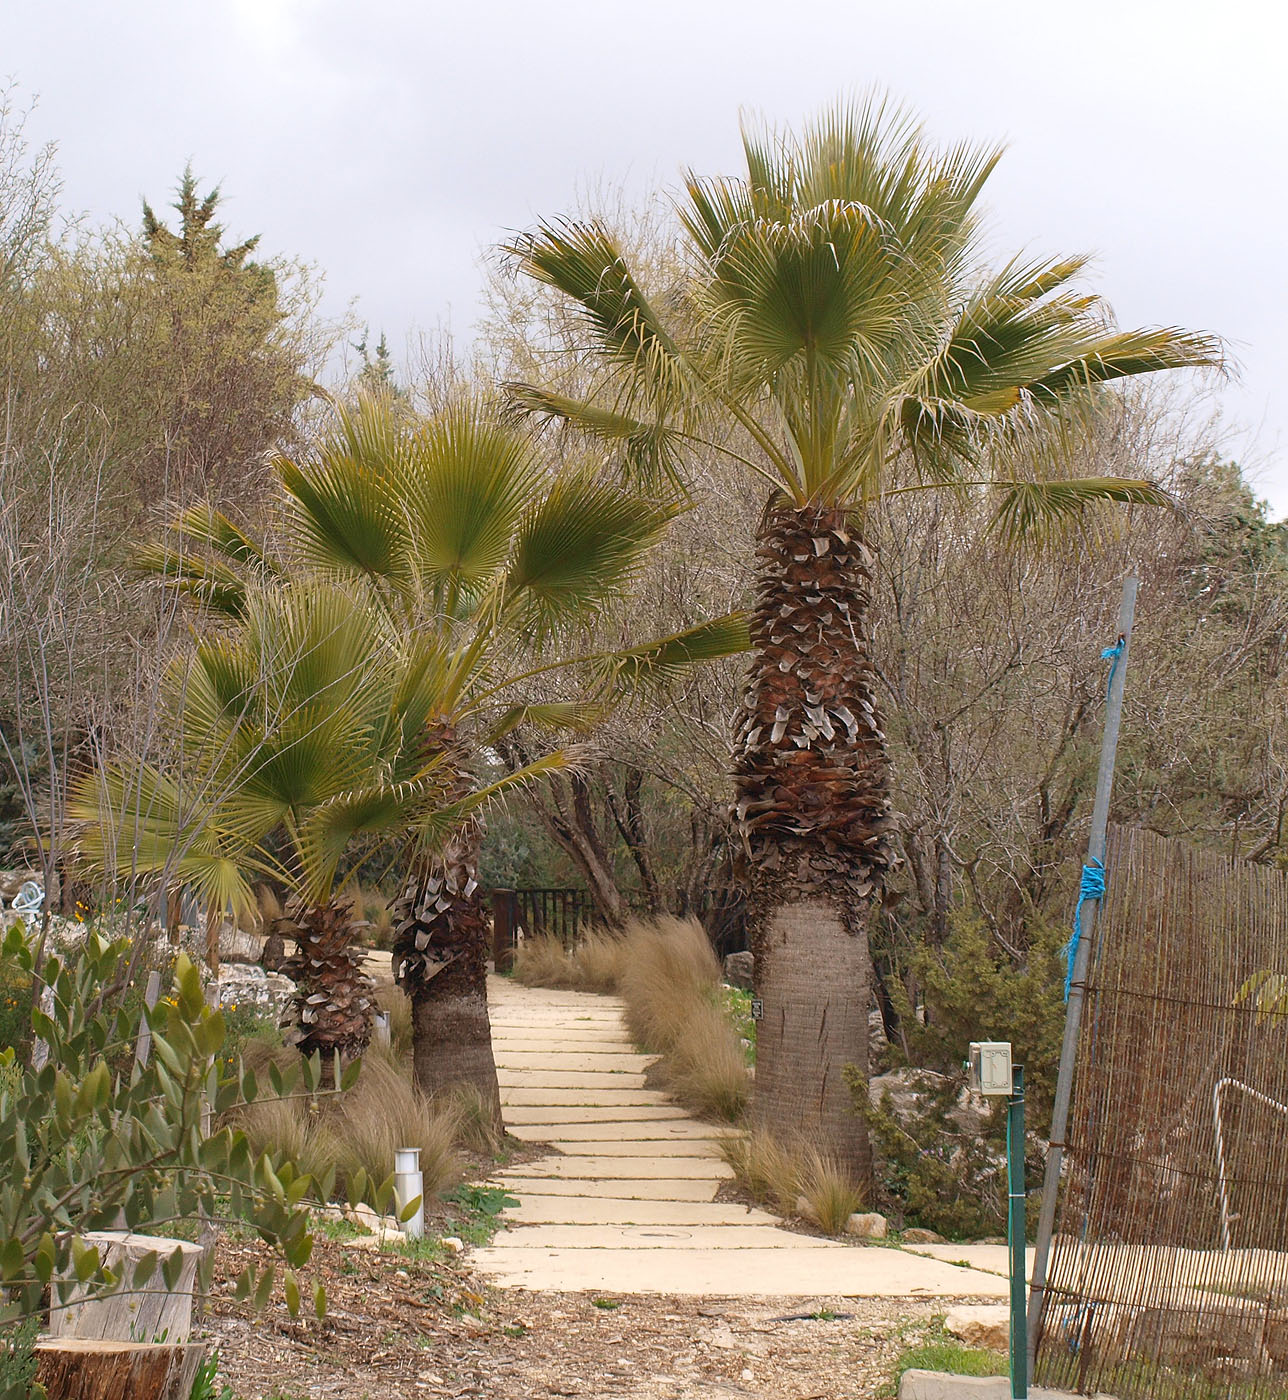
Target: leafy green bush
(15, 1007)
(82, 1149)
(937, 1167)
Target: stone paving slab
(634, 1114)
(991, 1258)
(572, 1061)
(647, 1147)
(584, 1098)
(635, 1189)
(617, 1210)
(617, 1130)
(625, 1168)
(836, 1270)
(574, 1079)
(656, 1236)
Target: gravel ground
(410, 1327)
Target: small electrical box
(989, 1067)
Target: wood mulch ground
(399, 1326)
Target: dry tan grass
(396, 1004)
(542, 961)
(363, 1127)
(593, 965)
(669, 969)
(765, 1168)
(670, 982)
(385, 1111)
(475, 1127)
(794, 1180)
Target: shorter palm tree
(495, 564)
(297, 729)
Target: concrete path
(625, 1201)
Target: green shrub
(15, 1008)
(82, 1149)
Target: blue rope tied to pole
(1092, 887)
(1111, 654)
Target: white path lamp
(990, 1071)
(409, 1186)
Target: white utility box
(989, 1067)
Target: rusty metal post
(504, 908)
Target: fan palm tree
(294, 730)
(461, 536)
(833, 335)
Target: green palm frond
(575, 549)
(578, 716)
(1123, 354)
(438, 824)
(204, 525)
(210, 583)
(137, 821)
(662, 660)
(1037, 509)
(347, 517)
(585, 262)
(469, 478)
(650, 450)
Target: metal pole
(1082, 961)
(1016, 1233)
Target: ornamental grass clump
(794, 1180)
(670, 982)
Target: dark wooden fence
(562, 913)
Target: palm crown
(832, 308)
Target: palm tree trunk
(811, 774)
(334, 998)
(441, 944)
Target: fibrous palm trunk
(811, 775)
(334, 997)
(441, 942)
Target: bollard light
(409, 1185)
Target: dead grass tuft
(396, 1004)
(670, 982)
(385, 1111)
(594, 963)
(788, 1180)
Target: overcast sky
(392, 142)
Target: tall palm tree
(463, 537)
(834, 335)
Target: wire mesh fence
(1169, 1267)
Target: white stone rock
(980, 1325)
(452, 1243)
(867, 1225)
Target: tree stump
(85, 1368)
(152, 1312)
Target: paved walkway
(625, 1201)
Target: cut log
(82, 1368)
(150, 1313)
